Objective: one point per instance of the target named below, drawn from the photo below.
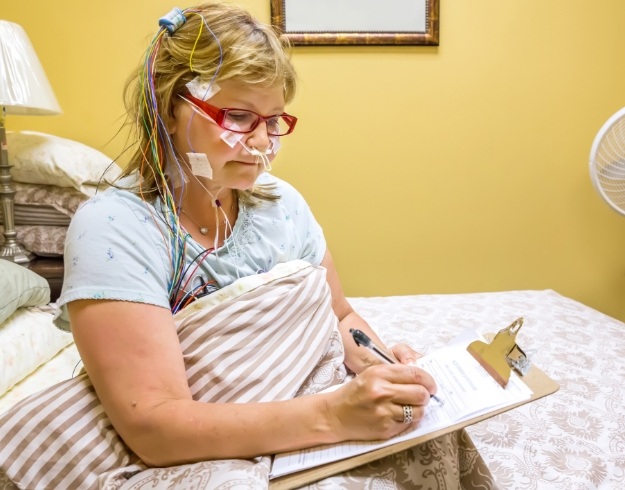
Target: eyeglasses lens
(245, 121)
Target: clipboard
(540, 384)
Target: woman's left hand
(405, 354)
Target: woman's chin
(243, 182)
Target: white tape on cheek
(202, 90)
(231, 138)
(275, 144)
(200, 166)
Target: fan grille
(607, 162)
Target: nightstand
(51, 269)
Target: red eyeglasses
(244, 121)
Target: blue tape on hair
(173, 20)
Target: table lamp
(24, 90)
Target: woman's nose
(259, 138)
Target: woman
(195, 212)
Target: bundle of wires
(160, 145)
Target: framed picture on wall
(357, 22)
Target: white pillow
(19, 287)
(28, 338)
(40, 158)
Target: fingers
(406, 415)
(405, 354)
(395, 385)
(399, 374)
(415, 396)
(381, 402)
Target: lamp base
(11, 248)
(15, 253)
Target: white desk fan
(607, 162)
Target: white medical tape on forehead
(202, 89)
(200, 166)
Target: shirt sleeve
(114, 250)
(310, 237)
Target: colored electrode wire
(218, 207)
(155, 128)
(180, 302)
(159, 146)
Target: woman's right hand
(370, 406)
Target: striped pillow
(61, 437)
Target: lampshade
(24, 88)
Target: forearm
(184, 431)
(356, 358)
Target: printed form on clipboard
(465, 388)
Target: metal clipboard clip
(502, 354)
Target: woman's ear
(172, 119)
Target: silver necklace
(203, 229)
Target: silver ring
(407, 414)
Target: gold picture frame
(357, 22)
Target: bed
(573, 439)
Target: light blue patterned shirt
(115, 248)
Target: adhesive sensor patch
(275, 144)
(230, 138)
(202, 89)
(200, 166)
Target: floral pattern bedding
(573, 439)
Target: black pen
(362, 339)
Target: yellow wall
(458, 168)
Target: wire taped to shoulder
(502, 354)
(172, 20)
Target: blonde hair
(249, 51)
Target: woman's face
(233, 168)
